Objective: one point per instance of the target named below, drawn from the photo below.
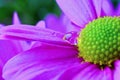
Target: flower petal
(61, 24)
(71, 72)
(86, 71)
(117, 70)
(98, 7)
(107, 8)
(16, 20)
(55, 23)
(118, 10)
(41, 24)
(28, 32)
(69, 26)
(1, 25)
(1, 66)
(43, 62)
(1, 74)
(9, 49)
(79, 12)
(107, 74)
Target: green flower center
(99, 41)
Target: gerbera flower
(95, 55)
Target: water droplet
(71, 37)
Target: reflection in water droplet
(71, 37)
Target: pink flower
(56, 56)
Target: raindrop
(71, 37)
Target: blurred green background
(30, 11)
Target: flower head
(96, 30)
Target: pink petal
(55, 23)
(98, 6)
(107, 8)
(1, 74)
(25, 45)
(16, 20)
(36, 44)
(9, 49)
(71, 72)
(28, 32)
(1, 25)
(118, 10)
(86, 71)
(107, 74)
(69, 26)
(79, 12)
(1, 66)
(117, 70)
(43, 62)
(41, 24)
(61, 24)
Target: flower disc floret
(99, 41)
